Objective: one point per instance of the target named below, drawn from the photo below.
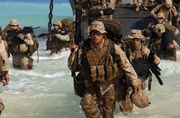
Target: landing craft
(130, 19)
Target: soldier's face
(14, 27)
(56, 27)
(159, 34)
(160, 20)
(96, 37)
(136, 42)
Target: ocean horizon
(47, 90)
(32, 13)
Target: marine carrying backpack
(114, 29)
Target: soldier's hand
(102, 12)
(74, 49)
(156, 61)
(55, 35)
(21, 36)
(172, 10)
(154, 16)
(5, 79)
(137, 89)
(170, 45)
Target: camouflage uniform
(159, 47)
(59, 41)
(99, 74)
(132, 53)
(94, 9)
(139, 3)
(4, 66)
(21, 49)
(167, 26)
(139, 52)
(178, 15)
(167, 9)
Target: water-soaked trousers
(93, 99)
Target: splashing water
(47, 91)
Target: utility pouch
(109, 72)
(115, 70)
(101, 73)
(79, 85)
(93, 73)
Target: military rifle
(15, 33)
(96, 12)
(25, 30)
(51, 33)
(78, 36)
(154, 67)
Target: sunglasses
(95, 33)
(55, 25)
(14, 25)
(136, 39)
(160, 18)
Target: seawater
(47, 90)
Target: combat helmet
(136, 34)
(160, 15)
(97, 26)
(57, 22)
(1, 106)
(14, 22)
(159, 28)
(168, 3)
(140, 99)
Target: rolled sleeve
(28, 40)
(3, 54)
(127, 67)
(156, 9)
(71, 59)
(63, 37)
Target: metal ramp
(130, 19)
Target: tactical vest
(135, 53)
(32, 48)
(160, 51)
(57, 44)
(13, 45)
(99, 65)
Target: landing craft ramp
(130, 19)
(125, 13)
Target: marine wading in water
(4, 67)
(21, 44)
(92, 62)
(105, 67)
(60, 37)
